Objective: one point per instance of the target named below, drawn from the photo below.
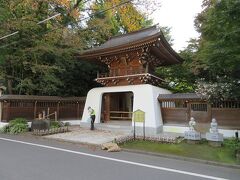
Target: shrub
(232, 143)
(55, 124)
(17, 121)
(15, 126)
(18, 128)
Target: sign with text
(139, 116)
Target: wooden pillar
(188, 111)
(6, 109)
(58, 111)
(209, 109)
(107, 107)
(78, 110)
(55, 116)
(35, 110)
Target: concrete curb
(182, 158)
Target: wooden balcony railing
(120, 115)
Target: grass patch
(199, 151)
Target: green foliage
(232, 143)
(41, 58)
(16, 126)
(211, 64)
(120, 20)
(219, 50)
(181, 77)
(55, 124)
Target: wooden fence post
(188, 111)
(55, 116)
(58, 113)
(78, 112)
(35, 110)
(209, 108)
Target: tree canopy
(218, 56)
(212, 62)
(40, 58)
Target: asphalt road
(23, 158)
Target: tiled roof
(136, 40)
(128, 38)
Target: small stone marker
(192, 135)
(213, 136)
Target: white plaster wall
(144, 98)
(227, 133)
(175, 129)
(72, 122)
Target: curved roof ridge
(133, 32)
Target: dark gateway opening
(117, 106)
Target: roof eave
(103, 52)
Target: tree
(34, 62)
(218, 57)
(181, 77)
(40, 58)
(119, 20)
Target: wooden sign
(139, 116)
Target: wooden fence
(13, 106)
(178, 112)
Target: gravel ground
(84, 135)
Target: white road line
(117, 160)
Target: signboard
(139, 116)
